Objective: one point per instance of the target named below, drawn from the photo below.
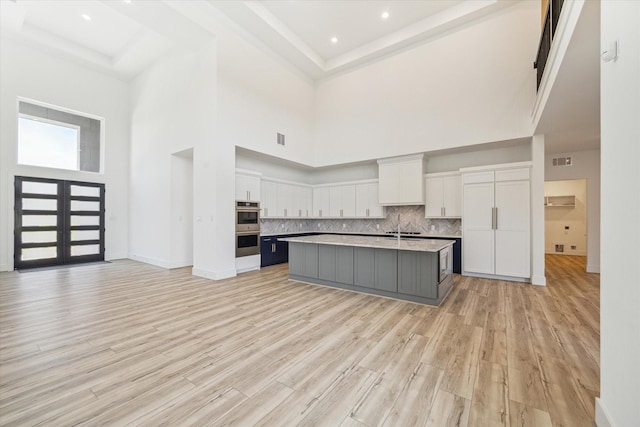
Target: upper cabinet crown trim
(497, 167)
(248, 172)
(436, 174)
(400, 159)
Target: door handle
(493, 218)
(496, 215)
(367, 211)
(273, 247)
(340, 212)
(442, 211)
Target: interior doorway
(566, 217)
(182, 208)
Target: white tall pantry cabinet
(496, 221)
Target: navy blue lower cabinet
(272, 251)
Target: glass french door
(57, 222)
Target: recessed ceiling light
(86, 17)
(334, 40)
(385, 15)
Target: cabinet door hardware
(273, 247)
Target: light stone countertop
(382, 242)
(440, 236)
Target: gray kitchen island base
(401, 274)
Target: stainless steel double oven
(247, 228)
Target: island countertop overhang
(382, 242)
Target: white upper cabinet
(400, 181)
(302, 202)
(342, 201)
(367, 205)
(269, 199)
(247, 187)
(443, 195)
(321, 200)
(284, 200)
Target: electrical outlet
(377, 226)
(344, 225)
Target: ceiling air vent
(280, 139)
(561, 161)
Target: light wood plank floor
(127, 343)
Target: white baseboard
(5, 267)
(114, 256)
(602, 417)
(153, 261)
(570, 252)
(493, 276)
(593, 268)
(247, 263)
(539, 280)
(213, 275)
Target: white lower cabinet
(496, 223)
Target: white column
(537, 211)
(620, 211)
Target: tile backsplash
(411, 219)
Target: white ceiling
(354, 23)
(123, 38)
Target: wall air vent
(280, 139)
(561, 161)
(559, 248)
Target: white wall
(259, 97)
(26, 72)
(471, 86)
(182, 210)
(620, 278)
(174, 109)
(558, 217)
(586, 165)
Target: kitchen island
(416, 270)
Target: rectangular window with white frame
(53, 138)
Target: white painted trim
(539, 280)
(602, 416)
(593, 268)
(337, 184)
(497, 167)
(115, 256)
(284, 181)
(246, 269)
(493, 276)
(213, 275)
(153, 261)
(401, 159)
(551, 251)
(5, 267)
(437, 174)
(248, 172)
